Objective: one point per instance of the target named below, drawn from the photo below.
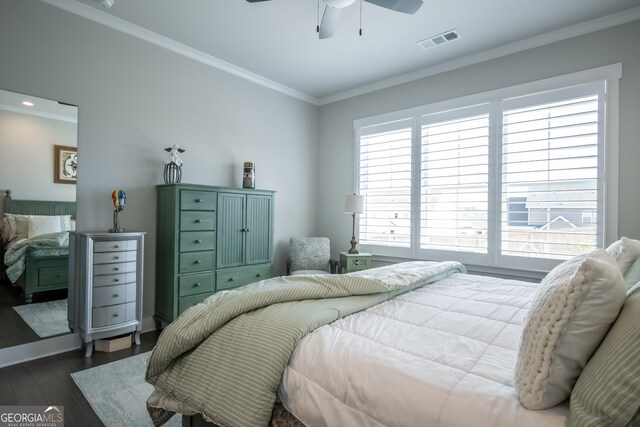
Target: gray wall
(135, 99)
(26, 162)
(618, 44)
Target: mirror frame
(58, 344)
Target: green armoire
(209, 239)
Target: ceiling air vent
(443, 38)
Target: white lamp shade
(354, 203)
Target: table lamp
(354, 204)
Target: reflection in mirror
(38, 143)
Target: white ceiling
(11, 101)
(277, 39)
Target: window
(454, 183)
(385, 181)
(514, 178)
(550, 160)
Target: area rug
(118, 393)
(45, 318)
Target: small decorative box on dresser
(109, 284)
(209, 239)
(354, 262)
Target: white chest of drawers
(109, 285)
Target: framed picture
(65, 164)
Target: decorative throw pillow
(607, 391)
(573, 308)
(43, 225)
(19, 225)
(625, 251)
(632, 276)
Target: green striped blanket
(224, 358)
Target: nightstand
(354, 262)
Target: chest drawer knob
(116, 246)
(198, 221)
(198, 241)
(197, 261)
(195, 285)
(116, 315)
(230, 279)
(198, 200)
(116, 269)
(116, 257)
(115, 295)
(116, 280)
(258, 275)
(58, 275)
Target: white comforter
(442, 355)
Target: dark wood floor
(48, 381)
(14, 330)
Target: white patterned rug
(45, 318)
(118, 393)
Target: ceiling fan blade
(329, 22)
(404, 6)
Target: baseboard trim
(39, 349)
(148, 324)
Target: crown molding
(93, 14)
(533, 42)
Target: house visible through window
(509, 182)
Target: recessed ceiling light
(27, 103)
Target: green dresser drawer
(52, 275)
(186, 302)
(233, 277)
(197, 220)
(197, 261)
(196, 283)
(191, 241)
(197, 200)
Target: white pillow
(65, 222)
(44, 225)
(625, 251)
(573, 308)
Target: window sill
(481, 270)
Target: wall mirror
(38, 142)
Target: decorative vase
(249, 175)
(172, 173)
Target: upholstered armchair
(310, 255)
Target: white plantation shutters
(551, 169)
(455, 182)
(385, 183)
(514, 178)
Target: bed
(46, 260)
(441, 352)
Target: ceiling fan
(332, 11)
